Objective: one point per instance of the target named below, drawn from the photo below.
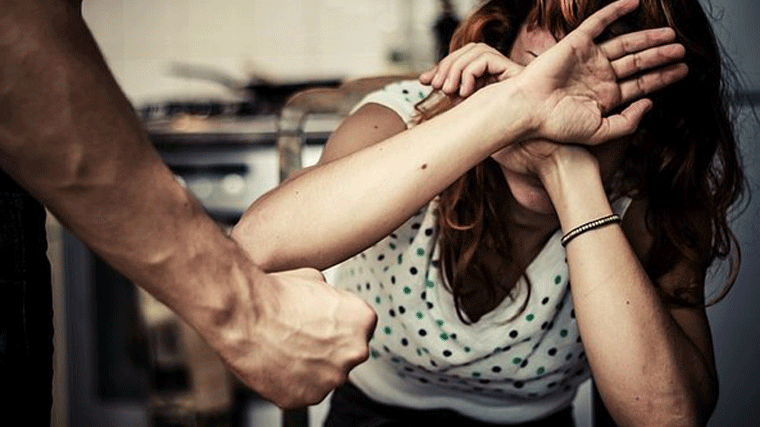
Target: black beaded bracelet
(577, 231)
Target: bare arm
(70, 137)
(374, 176)
(653, 364)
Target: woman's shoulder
(400, 97)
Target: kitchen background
(191, 51)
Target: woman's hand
(469, 68)
(541, 158)
(575, 83)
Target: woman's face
(527, 189)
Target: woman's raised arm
(372, 179)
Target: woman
(489, 234)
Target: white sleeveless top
(501, 369)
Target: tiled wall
(293, 39)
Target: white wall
(287, 40)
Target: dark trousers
(350, 407)
(26, 308)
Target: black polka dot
(393, 236)
(434, 263)
(569, 356)
(545, 301)
(423, 380)
(453, 336)
(387, 350)
(428, 231)
(518, 384)
(392, 313)
(446, 353)
(551, 385)
(405, 91)
(408, 369)
(401, 309)
(413, 270)
(423, 295)
(404, 342)
(429, 305)
(578, 340)
(513, 333)
(496, 369)
(572, 313)
(544, 325)
(416, 226)
(422, 332)
(524, 363)
(432, 363)
(380, 257)
(368, 286)
(484, 381)
(364, 256)
(393, 279)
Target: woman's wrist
(576, 189)
(508, 111)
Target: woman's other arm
(652, 363)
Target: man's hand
(298, 338)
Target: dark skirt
(26, 308)
(350, 407)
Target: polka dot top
(505, 368)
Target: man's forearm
(71, 138)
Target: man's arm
(70, 137)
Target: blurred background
(207, 77)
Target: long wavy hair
(683, 158)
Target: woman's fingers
(595, 24)
(647, 59)
(459, 71)
(647, 83)
(637, 41)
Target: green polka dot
(439, 322)
(407, 290)
(467, 349)
(429, 283)
(400, 258)
(557, 279)
(530, 317)
(392, 245)
(352, 272)
(540, 370)
(387, 330)
(516, 360)
(374, 354)
(421, 95)
(444, 336)
(377, 300)
(476, 374)
(419, 352)
(420, 315)
(426, 350)
(563, 333)
(420, 251)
